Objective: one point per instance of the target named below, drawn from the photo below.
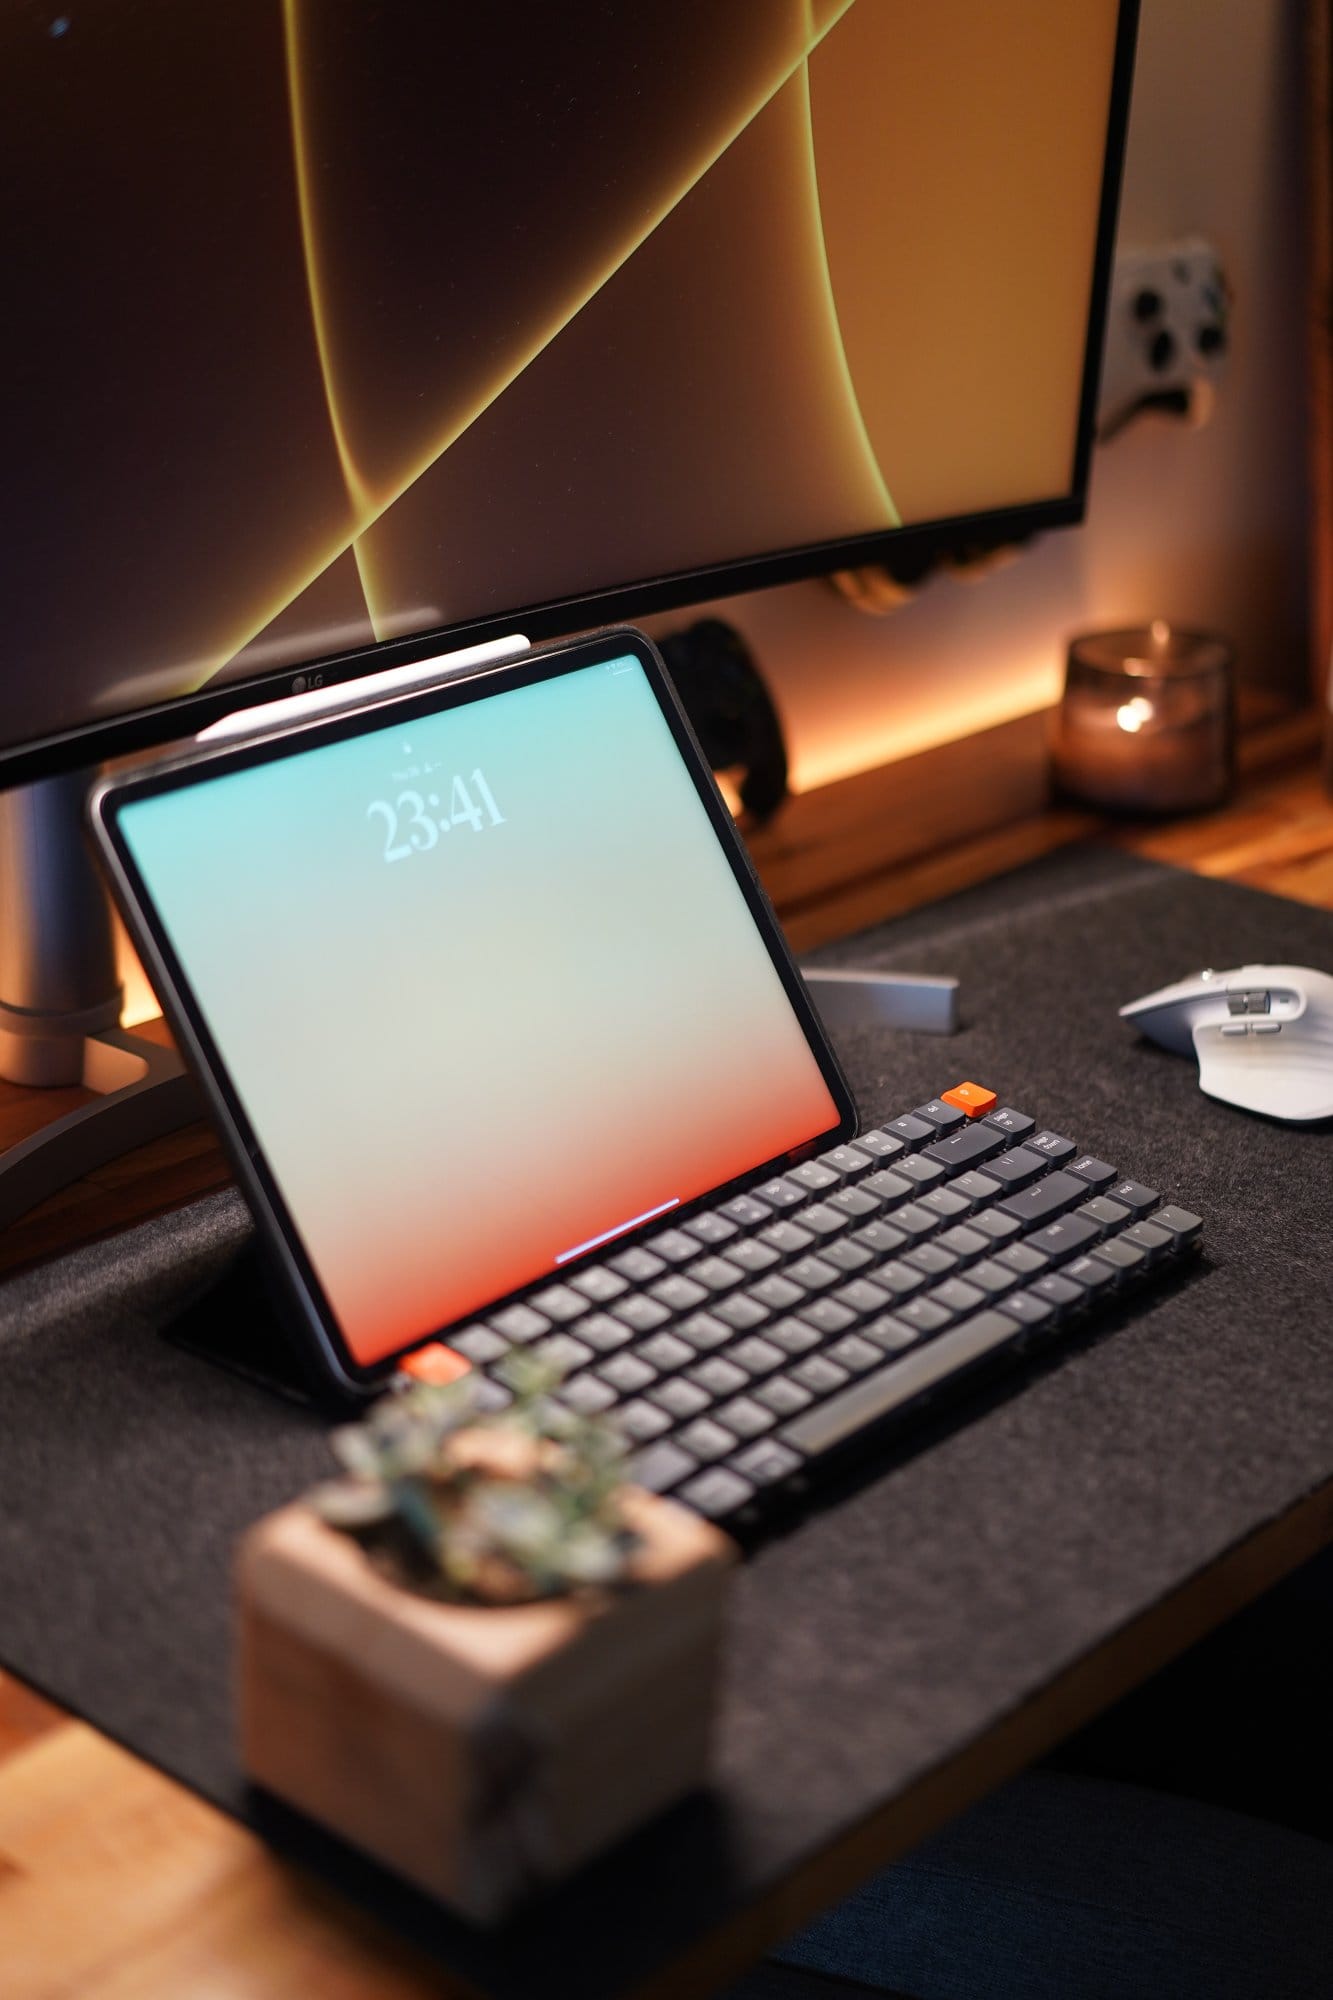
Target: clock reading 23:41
(414, 822)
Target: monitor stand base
(848, 1001)
(237, 1324)
(60, 1003)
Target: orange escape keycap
(435, 1363)
(973, 1098)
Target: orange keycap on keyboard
(434, 1363)
(973, 1098)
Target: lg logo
(304, 681)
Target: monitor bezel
(89, 743)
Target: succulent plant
(496, 1507)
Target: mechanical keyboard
(749, 1346)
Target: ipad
(479, 982)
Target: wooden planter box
(481, 1752)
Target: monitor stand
(60, 1002)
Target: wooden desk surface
(115, 1881)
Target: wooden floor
(117, 1884)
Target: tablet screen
(485, 986)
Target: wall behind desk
(1205, 527)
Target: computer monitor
(330, 325)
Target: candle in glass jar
(1146, 722)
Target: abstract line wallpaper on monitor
(331, 322)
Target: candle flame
(1132, 714)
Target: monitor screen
(329, 325)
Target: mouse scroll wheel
(1249, 1000)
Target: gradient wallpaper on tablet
(486, 987)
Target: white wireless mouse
(1263, 1035)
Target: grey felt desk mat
(889, 1629)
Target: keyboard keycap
(641, 1423)
(704, 1331)
(706, 1439)
(559, 1302)
(844, 1160)
(1095, 1172)
(1057, 1291)
(492, 1396)
(1107, 1214)
(741, 1311)
(1096, 1277)
(587, 1395)
(923, 1314)
(679, 1398)
(899, 1382)
(931, 1258)
(1124, 1258)
(677, 1292)
(879, 1145)
(813, 1273)
(782, 1396)
(712, 1227)
(847, 1254)
(1022, 1260)
(912, 1131)
(855, 1354)
(715, 1274)
(942, 1201)
(480, 1344)
(1034, 1205)
(994, 1278)
(747, 1210)
(1065, 1237)
(854, 1201)
(1016, 1168)
(640, 1312)
(718, 1376)
(824, 1219)
(915, 1221)
(755, 1355)
(637, 1265)
(664, 1352)
(751, 1255)
(967, 1148)
(787, 1238)
(900, 1278)
(813, 1176)
(626, 1373)
(1181, 1223)
(562, 1351)
(597, 1284)
(745, 1417)
(767, 1462)
(1137, 1199)
(888, 1187)
(1148, 1237)
(964, 1243)
(520, 1323)
(860, 1297)
(998, 1227)
(1052, 1146)
(673, 1245)
(662, 1466)
(890, 1333)
(818, 1374)
(599, 1330)
(716, 1493)
(975, 1187)
(781, 1193)
(1015, 1124)
(919, 1167)
(793, 1335)
(958, 1297)
(880, 1238)
(828, 1317)
(777, 1293)
(944, 1117)
(1034, 1313)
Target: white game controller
(1166, 335)
(1263, 1035)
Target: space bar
(875, 1395)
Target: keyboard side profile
(751, 1347)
